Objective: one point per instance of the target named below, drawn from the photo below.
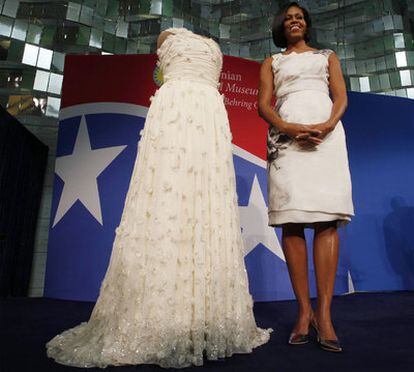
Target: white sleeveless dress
(176, 287)
(306, 186)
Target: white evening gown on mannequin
(176, 287)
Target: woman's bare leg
(325, 257)
(294, 248)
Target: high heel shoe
(298, 339)
(328, 345)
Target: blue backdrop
(377, 252)
(380, 135)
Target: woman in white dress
(308, 173)
(176, 286)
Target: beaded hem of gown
(306, 185)
(176, 289)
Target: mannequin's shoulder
(163, 36)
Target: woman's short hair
(278, 28)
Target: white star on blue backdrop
(79, 172)
(253, 220)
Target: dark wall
(23, 160)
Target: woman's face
(294, 24)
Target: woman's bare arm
(338, 90)
(266, 89)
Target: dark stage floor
(376, 330)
